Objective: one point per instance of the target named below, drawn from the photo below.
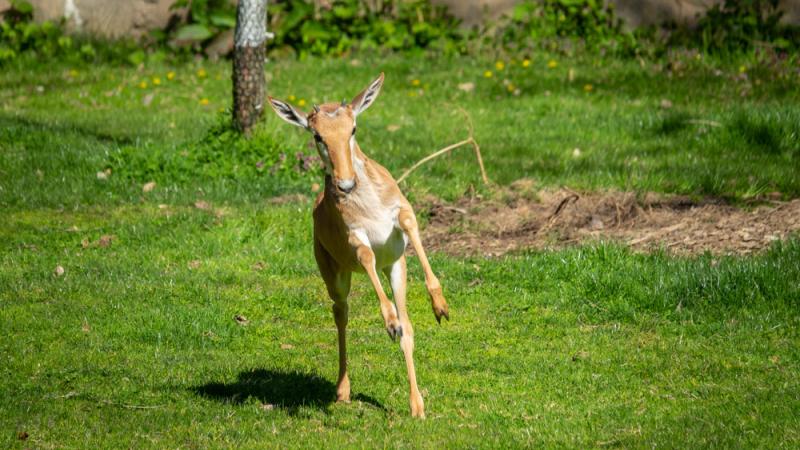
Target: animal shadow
(288, 390)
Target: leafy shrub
(206, 19)
(20, 35)
(590, 23)
(222, 154)
(737, 25)
(306, 29)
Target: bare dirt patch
(521, 217)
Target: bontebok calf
(362, 223)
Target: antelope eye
(317, 137)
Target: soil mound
(520, 217)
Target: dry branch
(469, 140)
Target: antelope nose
(346, 185)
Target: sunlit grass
(202, 322)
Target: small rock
(666, 104)
(576, 152)
(202, 204)
(287, 346)
(102, 175)
(581, 355)
(240, 319)
(59, 271)
(466, 87)
(392, 128)
(149, 186)
(105, 240)
(194, 264)
(148, 99)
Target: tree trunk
(249, 86)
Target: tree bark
(249, 86)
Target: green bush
(303, 28)
(738, 25)
(222, 154)
(553, 24)
(394, 25)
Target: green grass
(137, 346)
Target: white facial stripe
(325, 157)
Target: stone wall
(634, 12)
(109, 18)
(116, 18)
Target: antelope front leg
(366, 257)
(408, 222)
(397, 277)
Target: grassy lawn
(137, 343)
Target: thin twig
(106, 402)
(469, 140)
(125, 405)
(562, 204)
(445, 150)
(709, 123)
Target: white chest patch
(377, 225)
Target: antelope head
(333, 126)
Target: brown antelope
(362, 223)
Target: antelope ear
(367, 96)
(288, 113)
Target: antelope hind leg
(338, 284)
(397, 277)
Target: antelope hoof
(395, 331)
(343, 390)
(417, 407)
(439, 305)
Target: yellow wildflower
(204, 101)
(170, 75)
(499, 65)
(552, 64)
(742, 69)
(526, 62)
(588, 87)
(292, 98)
(202, 73)
(415, 82)
(156, 81)
(510, 87)
(73, 73)
(488, 74)
(301, 102)
(143, 84)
